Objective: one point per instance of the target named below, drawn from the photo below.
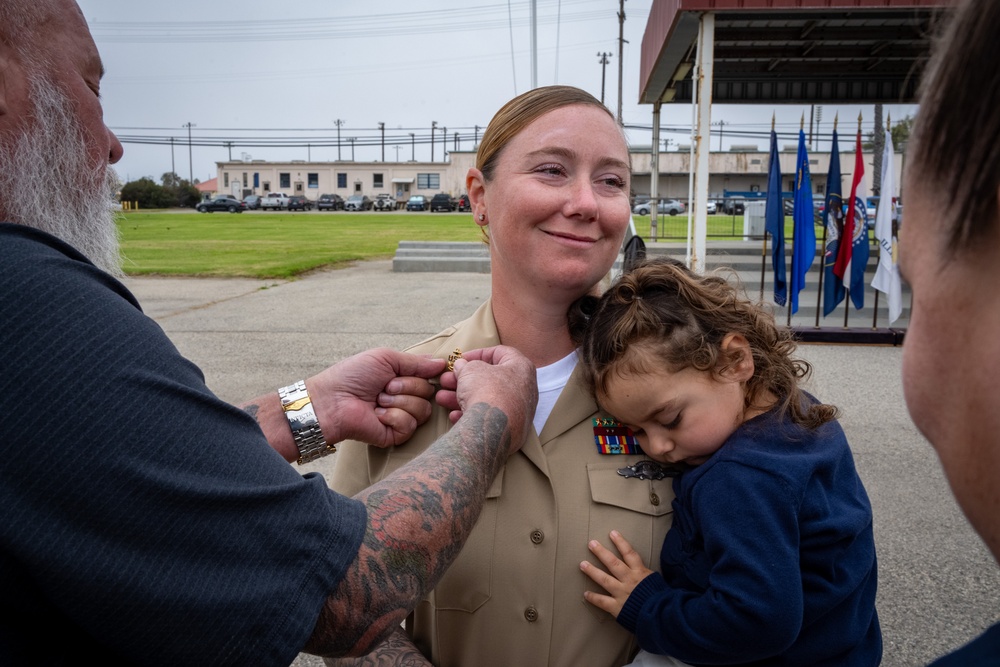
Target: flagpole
(888, 124)
(763, 252)
(819, 293)
(802, 126)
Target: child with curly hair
(771, 558)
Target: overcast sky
(257, 72)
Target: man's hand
(625, 575)
(498, 376)
(379, 396)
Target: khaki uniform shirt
(514, 596)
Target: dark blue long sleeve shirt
(770, 559)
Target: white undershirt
(551, 380)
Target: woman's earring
(482, 217)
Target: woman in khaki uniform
(551, 192)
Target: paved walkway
(938, 585)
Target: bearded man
(142, 519)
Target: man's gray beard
(47, 183)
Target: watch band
(302, 419)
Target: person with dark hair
(550, 192)
(771, 557)
(144, 520)
(950, 256)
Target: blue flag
(860, 251)
(774, 222)
(833, 218)
(803, 231)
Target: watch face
(302, 418)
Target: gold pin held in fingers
(453, 357)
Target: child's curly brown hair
(682, 318)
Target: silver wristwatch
(302, 419)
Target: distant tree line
(174, 191)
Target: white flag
(886, 278)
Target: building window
(377, 180)
(267, 186)
(284, 180)
(754, 161)
(341, 180)
(225, 179)
(313, 180)
(428, 181)
(245, 182)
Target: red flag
(842, 267)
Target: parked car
(299, 203)
(464, 204)
(711, 208)
(252, 202)
(664, 207)
(732, 206)
(442, 202)
(274, 201)
(221, 204)
(385, 202)
(358, 203)
(417, 203)
(330, 203)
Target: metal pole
(706, 66)
(173, 169)
(381, 127)
(604, 66)
(534, 45)
(189, 125)
(654, 172)
(621, 47)
(434, 125)
(413, 149)
(338, 123)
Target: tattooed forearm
(418, 520)
(252, 410)
(396, 651)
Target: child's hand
(624, 577)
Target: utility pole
(722, 125)
(534, 44)
(456, 141)
(475, 138)
(229, 145)
(621, 47)
(604, 66)
(381, 127)
(173, 169)
(189, 125)
(434, 125)
(413, 148)
(338, 123)
(397, 147)
(351, 139)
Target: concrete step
(742, 258)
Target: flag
(774, 222)
(852, 255)
(803, 231)
(886, 278)
(833, 217)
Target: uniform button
(654, 499)
(537, 536)
(531, 614)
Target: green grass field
(273, 245)
(281, 245)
